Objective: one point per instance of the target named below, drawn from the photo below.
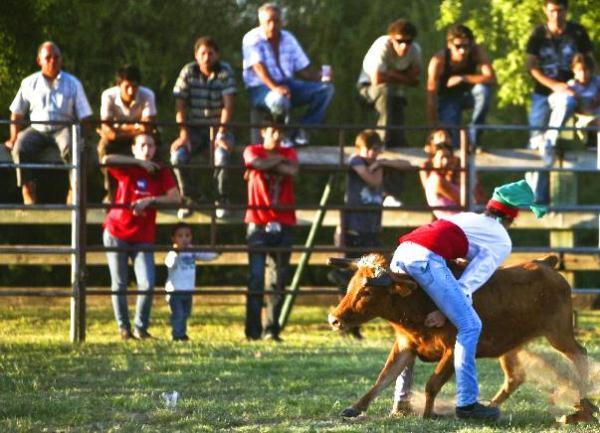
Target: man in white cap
(483, 240)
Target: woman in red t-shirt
(142, 183)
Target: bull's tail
(550, 260)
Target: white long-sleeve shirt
(182, 269)
(489, 246)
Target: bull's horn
(340, 262)
(384, 280)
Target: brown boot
(29, 191)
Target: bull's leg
(443, 371)
(562, 338)
(398, 358)
(514, 376)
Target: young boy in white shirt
(182, 278)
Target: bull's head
(370, 291)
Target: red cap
(509, 211)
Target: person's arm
(434, 71)
(373, 177)
(486, 73)
(446, 188)
(287, 167)
(183, 138)
(408, 77)
(263, 74)
(206, 256)
(309, 73)
(226, 115)
(532, 64)
(265, 163)
(170, 197)
(481, 267)
(14, 130)
(171, 259)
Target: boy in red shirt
(270, 217)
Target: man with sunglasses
(459, 77)
(45, 96)
(392, 63)
(550, 49)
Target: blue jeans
(181, 308)
(433, 275)
(552, 110)
(450, 108)
(143, 266)
(315, 94)
(277, 267)
(200, 141)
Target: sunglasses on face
(462, 46)
(403, 41)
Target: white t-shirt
(382, 57)
(113, 107)
(182, 269)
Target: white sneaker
(286, 143)
(301, 138)
(183, 213)
(391, 201)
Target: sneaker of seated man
(204, 94)
(127, 109)
(272, 82)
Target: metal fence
(78, 246)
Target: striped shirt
(257, 49)
(204, 95)
(62, 100)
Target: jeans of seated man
(31, 143)
(181, 308)
(317, 95)
(276, 265)
(434, 276)
(451, 107)
(552, 110)
(187, 181)
(390, 109)
(143, 267)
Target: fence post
(467, 172)
(310, 240)
(78, 218)
(563, 191)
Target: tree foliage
(504, 27)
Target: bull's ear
(340, 262)
(384, 280)
(403, 285)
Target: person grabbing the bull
(483, 240)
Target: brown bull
(517, 304)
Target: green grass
(225, 383)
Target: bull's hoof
(401, 408)
(350, 412)
(584, 412)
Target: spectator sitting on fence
(48, 95)
(182, 278)
(364, 188)
(204, 92)
(270, 171)
(550, 50)
(127, 101)
(392, 63)
(459, 77)
(142, 183)
(586, 90)
(272, 58)
(439, 175)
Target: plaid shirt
(257, 49)
(204, 96)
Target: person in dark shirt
(459, 77)
(550, 50)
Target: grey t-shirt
(359, 193)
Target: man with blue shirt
(47, 95)
(272, 59)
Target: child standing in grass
(182, 278)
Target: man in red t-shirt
(270, 218)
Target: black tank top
(469, 67)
